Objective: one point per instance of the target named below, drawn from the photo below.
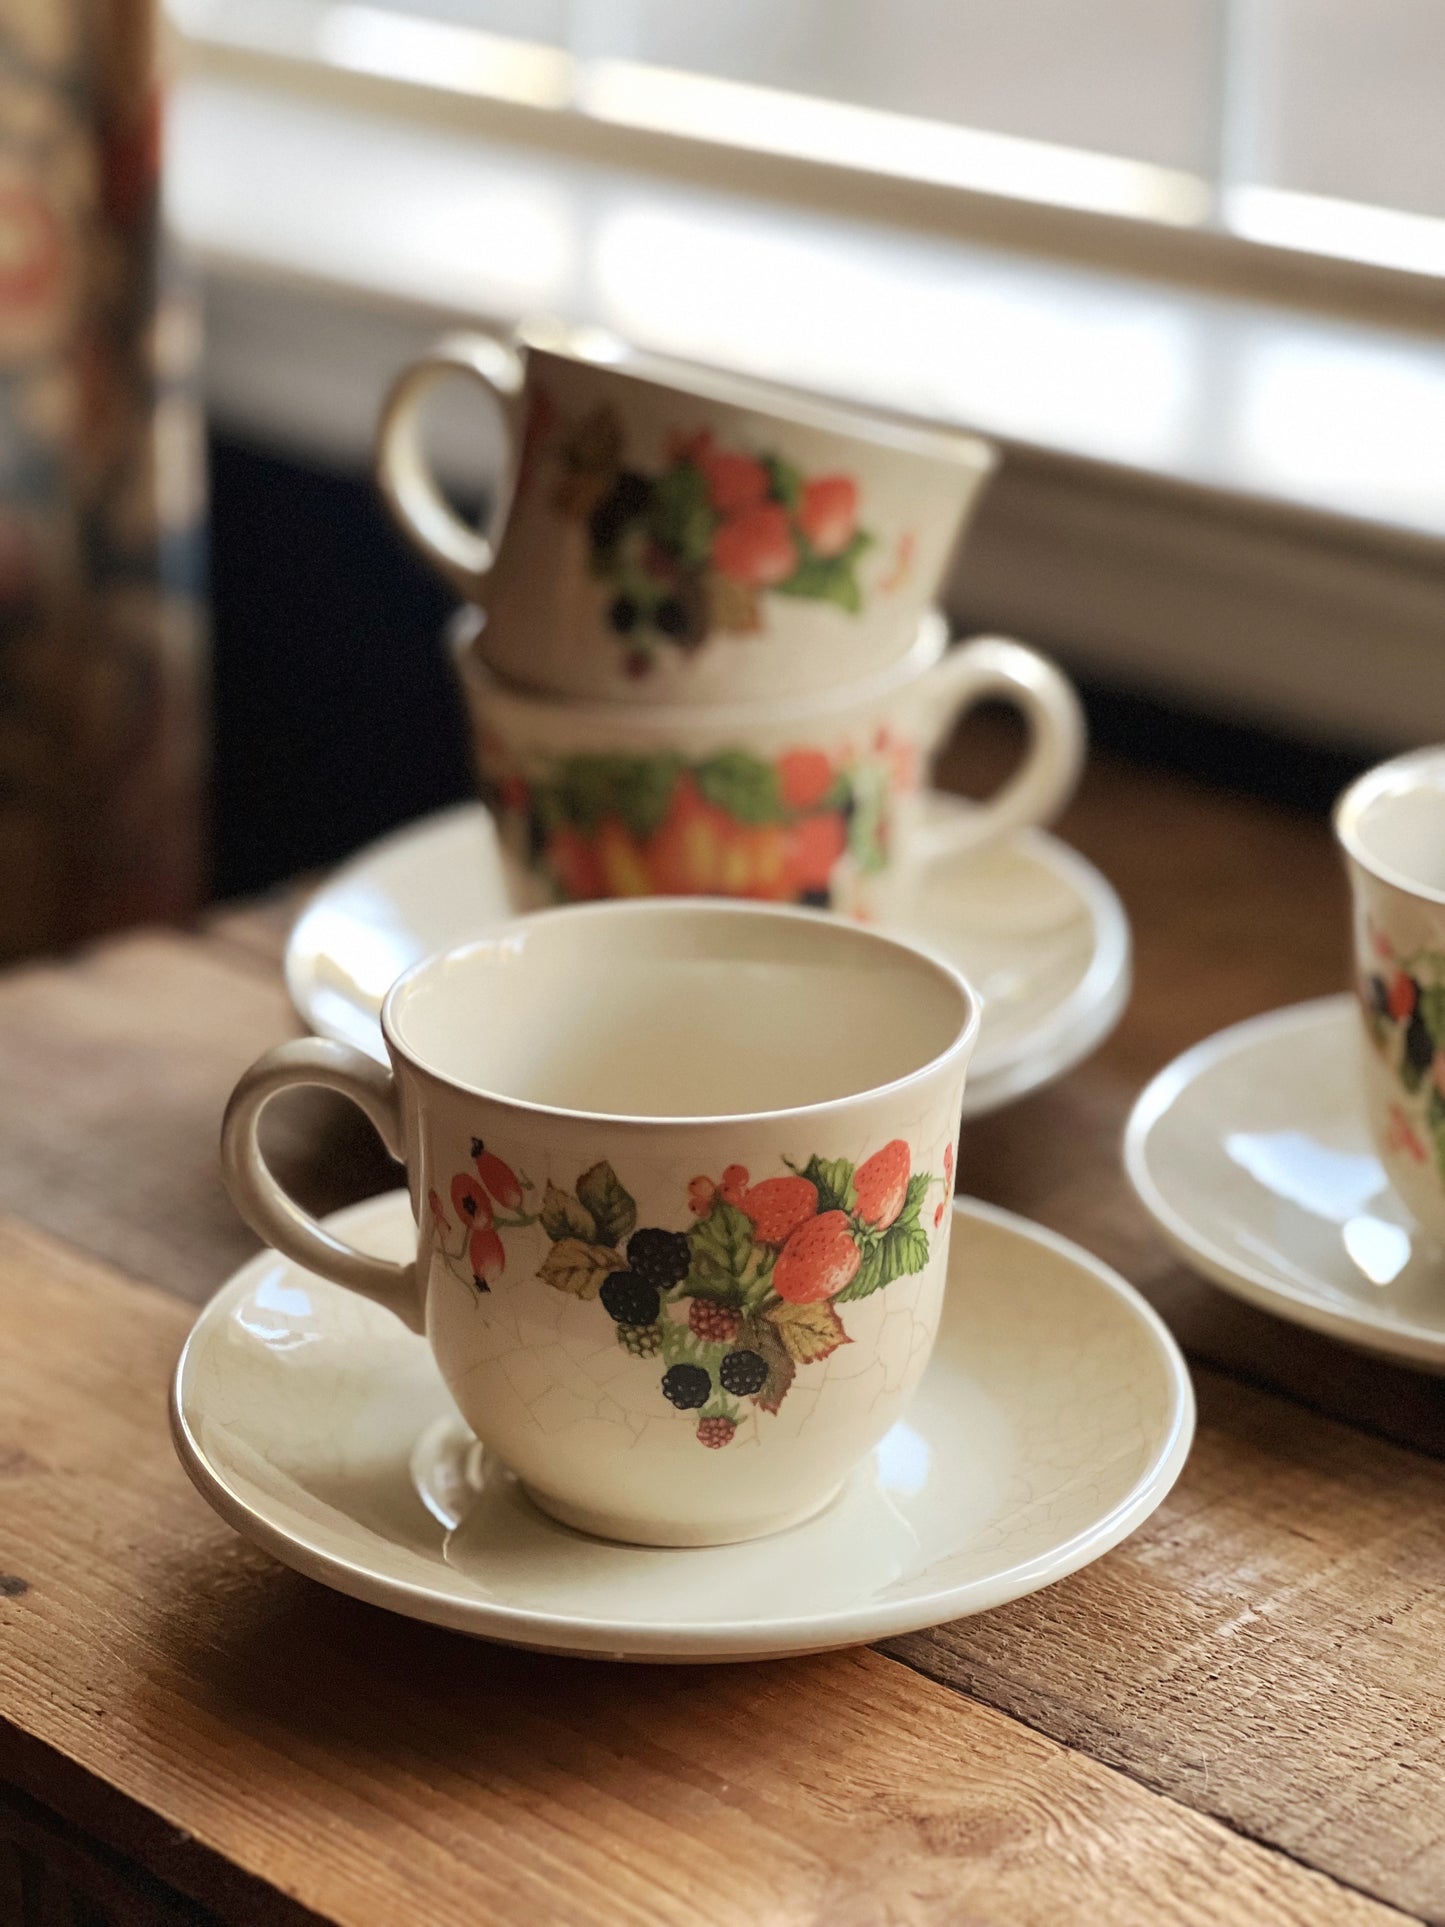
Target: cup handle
(275, 1216)
(408, 483)
(992, 666)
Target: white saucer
(1252, 1155)
(1036, 930)
(1054, 1417)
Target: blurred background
(1184, 259)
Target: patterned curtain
(101, 641)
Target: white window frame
(1224, 600)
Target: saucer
(1253, 1156)
(1036, 930)
(1055, 1415)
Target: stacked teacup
(700, 652)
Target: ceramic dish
(673, 534)
(1054, 1417)
(1253, 1155)
(1036, 930)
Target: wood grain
(115, 1068)
(1267, 1648)
(153, 1668)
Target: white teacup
(681, 1174)
(668, 533)
(811, 801)
(1391, 826)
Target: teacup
(814, 802)
(1391, 826)
(671, 534)
(681, 1174)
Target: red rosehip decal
(500, 1179)
(470, 1201)
(486, 1256)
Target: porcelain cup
(1391, 826)
(681, 1176)
(814, 801)
(669, 534)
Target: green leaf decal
(899, 1253)
(866, 841)
(833, 1178)
(727, 1266)
(918, 1186)
(785, 483)
(758, 1335)
(681, 518)
(829, 578)
(564, 1216)
(745, 787)
(578, 1268)
(583, 790)
(1432, 1012)
(613, 1209)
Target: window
(1312, 124)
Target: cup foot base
(632, 1531)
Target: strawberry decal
(1403, 1005)
(777, 1207)
(819, 1259)
(730, 1306)
(692, 549)
(881, 1185)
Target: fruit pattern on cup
(487, 1200)
(1404, 1005)
(732, 824)
(693, 549)
(732, 1307)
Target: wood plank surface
(1268, 1648)
(242, 1723)
(1265, 1651)
(115, 1067)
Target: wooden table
(1239, 1715)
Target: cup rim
(959, 448)
(1392, 778)
(959, 1047)
(930, 645)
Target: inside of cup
(677, 1010)
(1399, 829)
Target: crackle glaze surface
(1254, 1155)
(1037, 931)
(1054, 1416)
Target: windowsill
(335, 242)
